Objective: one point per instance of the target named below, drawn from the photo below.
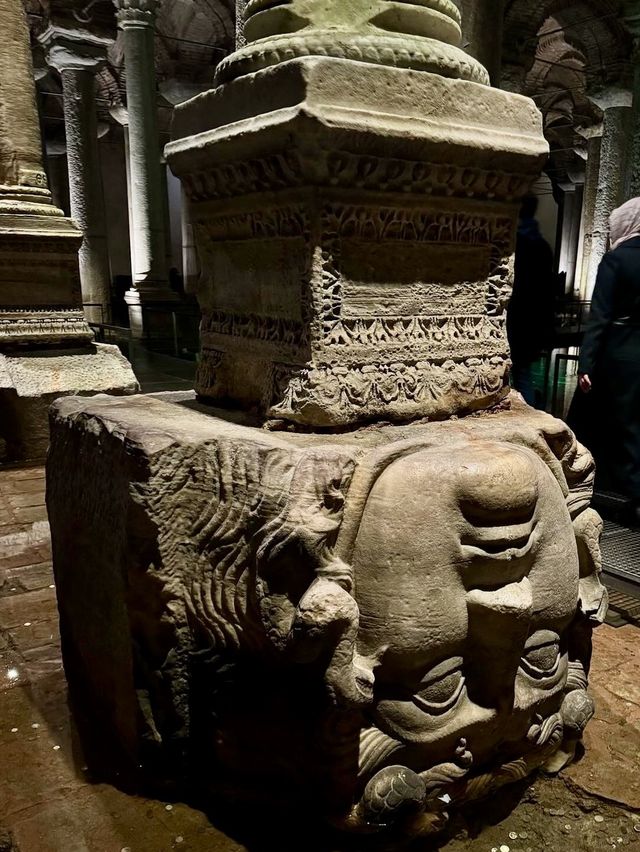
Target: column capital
(136, 13)
(69, 49)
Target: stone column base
(149, 312)
(31, 381)
(379, 625)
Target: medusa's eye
(542, 656)
(441, 689)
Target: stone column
(190, 266)
(614, 157)
(570, 232)
(240, 39)
(592, 173)
(150, 280)
(59, 179)
(121, 115)
(482, 31)
(631, 18)
(77, 56)
(46, 346)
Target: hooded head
(624, 223)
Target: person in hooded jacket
(609, 365)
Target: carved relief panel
(363, 311)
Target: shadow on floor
(157, 372)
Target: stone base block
(30, 381)
(381, 625)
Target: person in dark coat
(609, 366)
(530, 315)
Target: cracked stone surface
(49, 804)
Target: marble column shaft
(86, 193)
(137, 20)
(21, 172)
(77, 55)
(240, 39)
(611, 179)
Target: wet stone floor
(48, 803)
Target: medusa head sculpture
(397, 630)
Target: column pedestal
(400, 674)
(46, 346)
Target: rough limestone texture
(380, 625)
(355, 229)
(31, 381)
(42, 323)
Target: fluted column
(77, 57)
(614, 158)
(150, 279)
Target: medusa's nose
(498, 493)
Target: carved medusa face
(466, 577)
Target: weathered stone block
(384, 623)
(31, 380)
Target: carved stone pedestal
(380, 625)
(355, 228)
(374, 622)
